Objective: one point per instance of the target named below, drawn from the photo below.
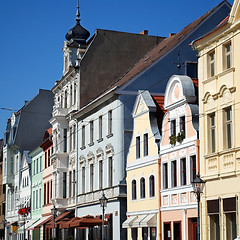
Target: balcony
(59, 111)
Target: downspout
(159, 200)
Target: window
(45, 194)
(33, 200)
(173, 127)
(151, 186)
(211, 64)
(74, 183)
(49, 153)
(37, 166)
(40, 165)
(33, 168)
(70, 143)
(183, 171)
(65, 140)
(65, 99)
(48, 192)
(110, 171)
(142, 188)
(70, 185)
(144, 233)
(110, 122)
(64, 184)
(36, 199)
(193, 166)
(83, 179)
(145, 144)
(227, 127)
(91, 132)
(182, 124)
(100, 127)
(134, 233)
(212, 132)
(74, 137)
(174, 173)
(134, 189)
(40, 197)
(100, 165)
(91, 177)
(165, 175)
(83, 136)
(138, 147)
(227, 56)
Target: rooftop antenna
(78, 13)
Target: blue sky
(33, 32)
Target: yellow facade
(219, 102)
(143, 166)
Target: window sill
(90, 144)
(83, 147)
(109, 135)
(100, 140)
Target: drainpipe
(159, 200)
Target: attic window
(146, 59)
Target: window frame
(212, 63)
(228, 126)
(227, 52)
(138, 147)
(142, 188)
(152, 186)
(134, 189)
(212, 128)
(145, 144)
(174, 173)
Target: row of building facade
(135, 117)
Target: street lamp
(103, 202)
(198, 185)
(54, 213)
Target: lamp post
(198, 185)
(103, 202)
(54, 213)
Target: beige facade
(219, 98)
(143, 172)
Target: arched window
(151, 186)
(142, 188)
(134, 189)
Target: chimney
(144, 32)
(171, 34)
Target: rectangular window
(134, 233)
(100, 127)
(64, 184)
(65, 140)
(165, 175)
(91, 177)
(36, 199)
(46, 159)
(227, 56)
(45, 193)
(37, 166)
(48, 192)
(193, 166)
(174, 173)
(40, 165)
(145, 144)
(70, 185)
(212, 133)
(70, 138)
(227, 127)
(33, 200)
(211, 64)
(74, 182)
(49, 154)
(91, 131)
(83, 179)
(182, 124)
(110, 122)
(173, 127)
(144, 233)
(100, 165)
(83, 136)
(34, 168)
(110, 171)
(40, 198)
(183, 171)
(214, 227)
(138, 147)
(74, 137)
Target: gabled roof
(162, 48)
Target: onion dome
(78, 33)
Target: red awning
(68, 223)
(57, 219)
(87, 222)
(44, 222)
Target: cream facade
(219, 95)
(143, 171)
(179, 160)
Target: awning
(27, 225)
(39, 222)
(129, 221)
(149, 221)
(44, 221)
(12, 223)
(136, 223)
(57, 219)
(66, 224)
(88, 221)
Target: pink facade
(179, 160)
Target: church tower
(75, 46)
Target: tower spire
(78, 13)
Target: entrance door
(167, 231)
(177, 230)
